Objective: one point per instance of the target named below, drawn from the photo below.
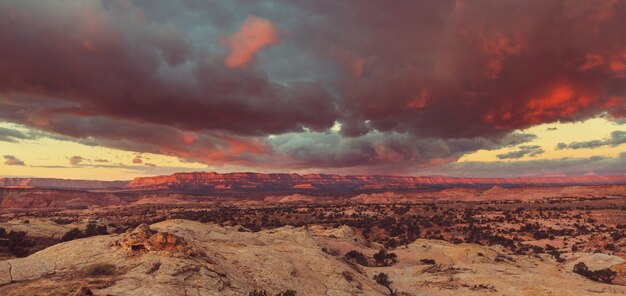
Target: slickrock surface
(156, 260)
(40, 227)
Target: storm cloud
(615, 139)
(11, 135)
(412, 85)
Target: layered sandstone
(211, 180)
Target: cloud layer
(526, 150)
(12, 160)
(255, 34)
(615, 139)
(260, 84)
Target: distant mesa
(51, 183)
(323, 183)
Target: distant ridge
(247, 181)
(52, 183)
(216, 181)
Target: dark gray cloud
(597, 165)
(76, 160)
(11, 135)
(113, 62)
(615, 139)
(532, 150)
(380, 152)
(413, 84)
(12, 160)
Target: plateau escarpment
(243, 183)
(78, 199)
(342, 183)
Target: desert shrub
(3, 232)
(18, 243)
(62, 221)
(155, 266)
(331, 251)
(540, 234)
(383, 280)
(428, 261)
(391, 243)
(72, 234)
(385, 259)
(289, 292)
(357, 257)
(556, 254)
(603, 275)
(99, 270)
(93, 230)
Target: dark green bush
(100, 270)
(357, 257)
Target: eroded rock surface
(143, 239)
(227, 261)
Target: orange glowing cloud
(255, 34)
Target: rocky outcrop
(143, 239)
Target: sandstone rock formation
(232, 262)
(143, 239)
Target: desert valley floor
(524, 240)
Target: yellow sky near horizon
(47, 157)
(591, 129)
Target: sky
(113, 90)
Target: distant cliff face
(59, 183)
(323, 183)
(215, 181)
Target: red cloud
(255, 34)
(417, 83)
